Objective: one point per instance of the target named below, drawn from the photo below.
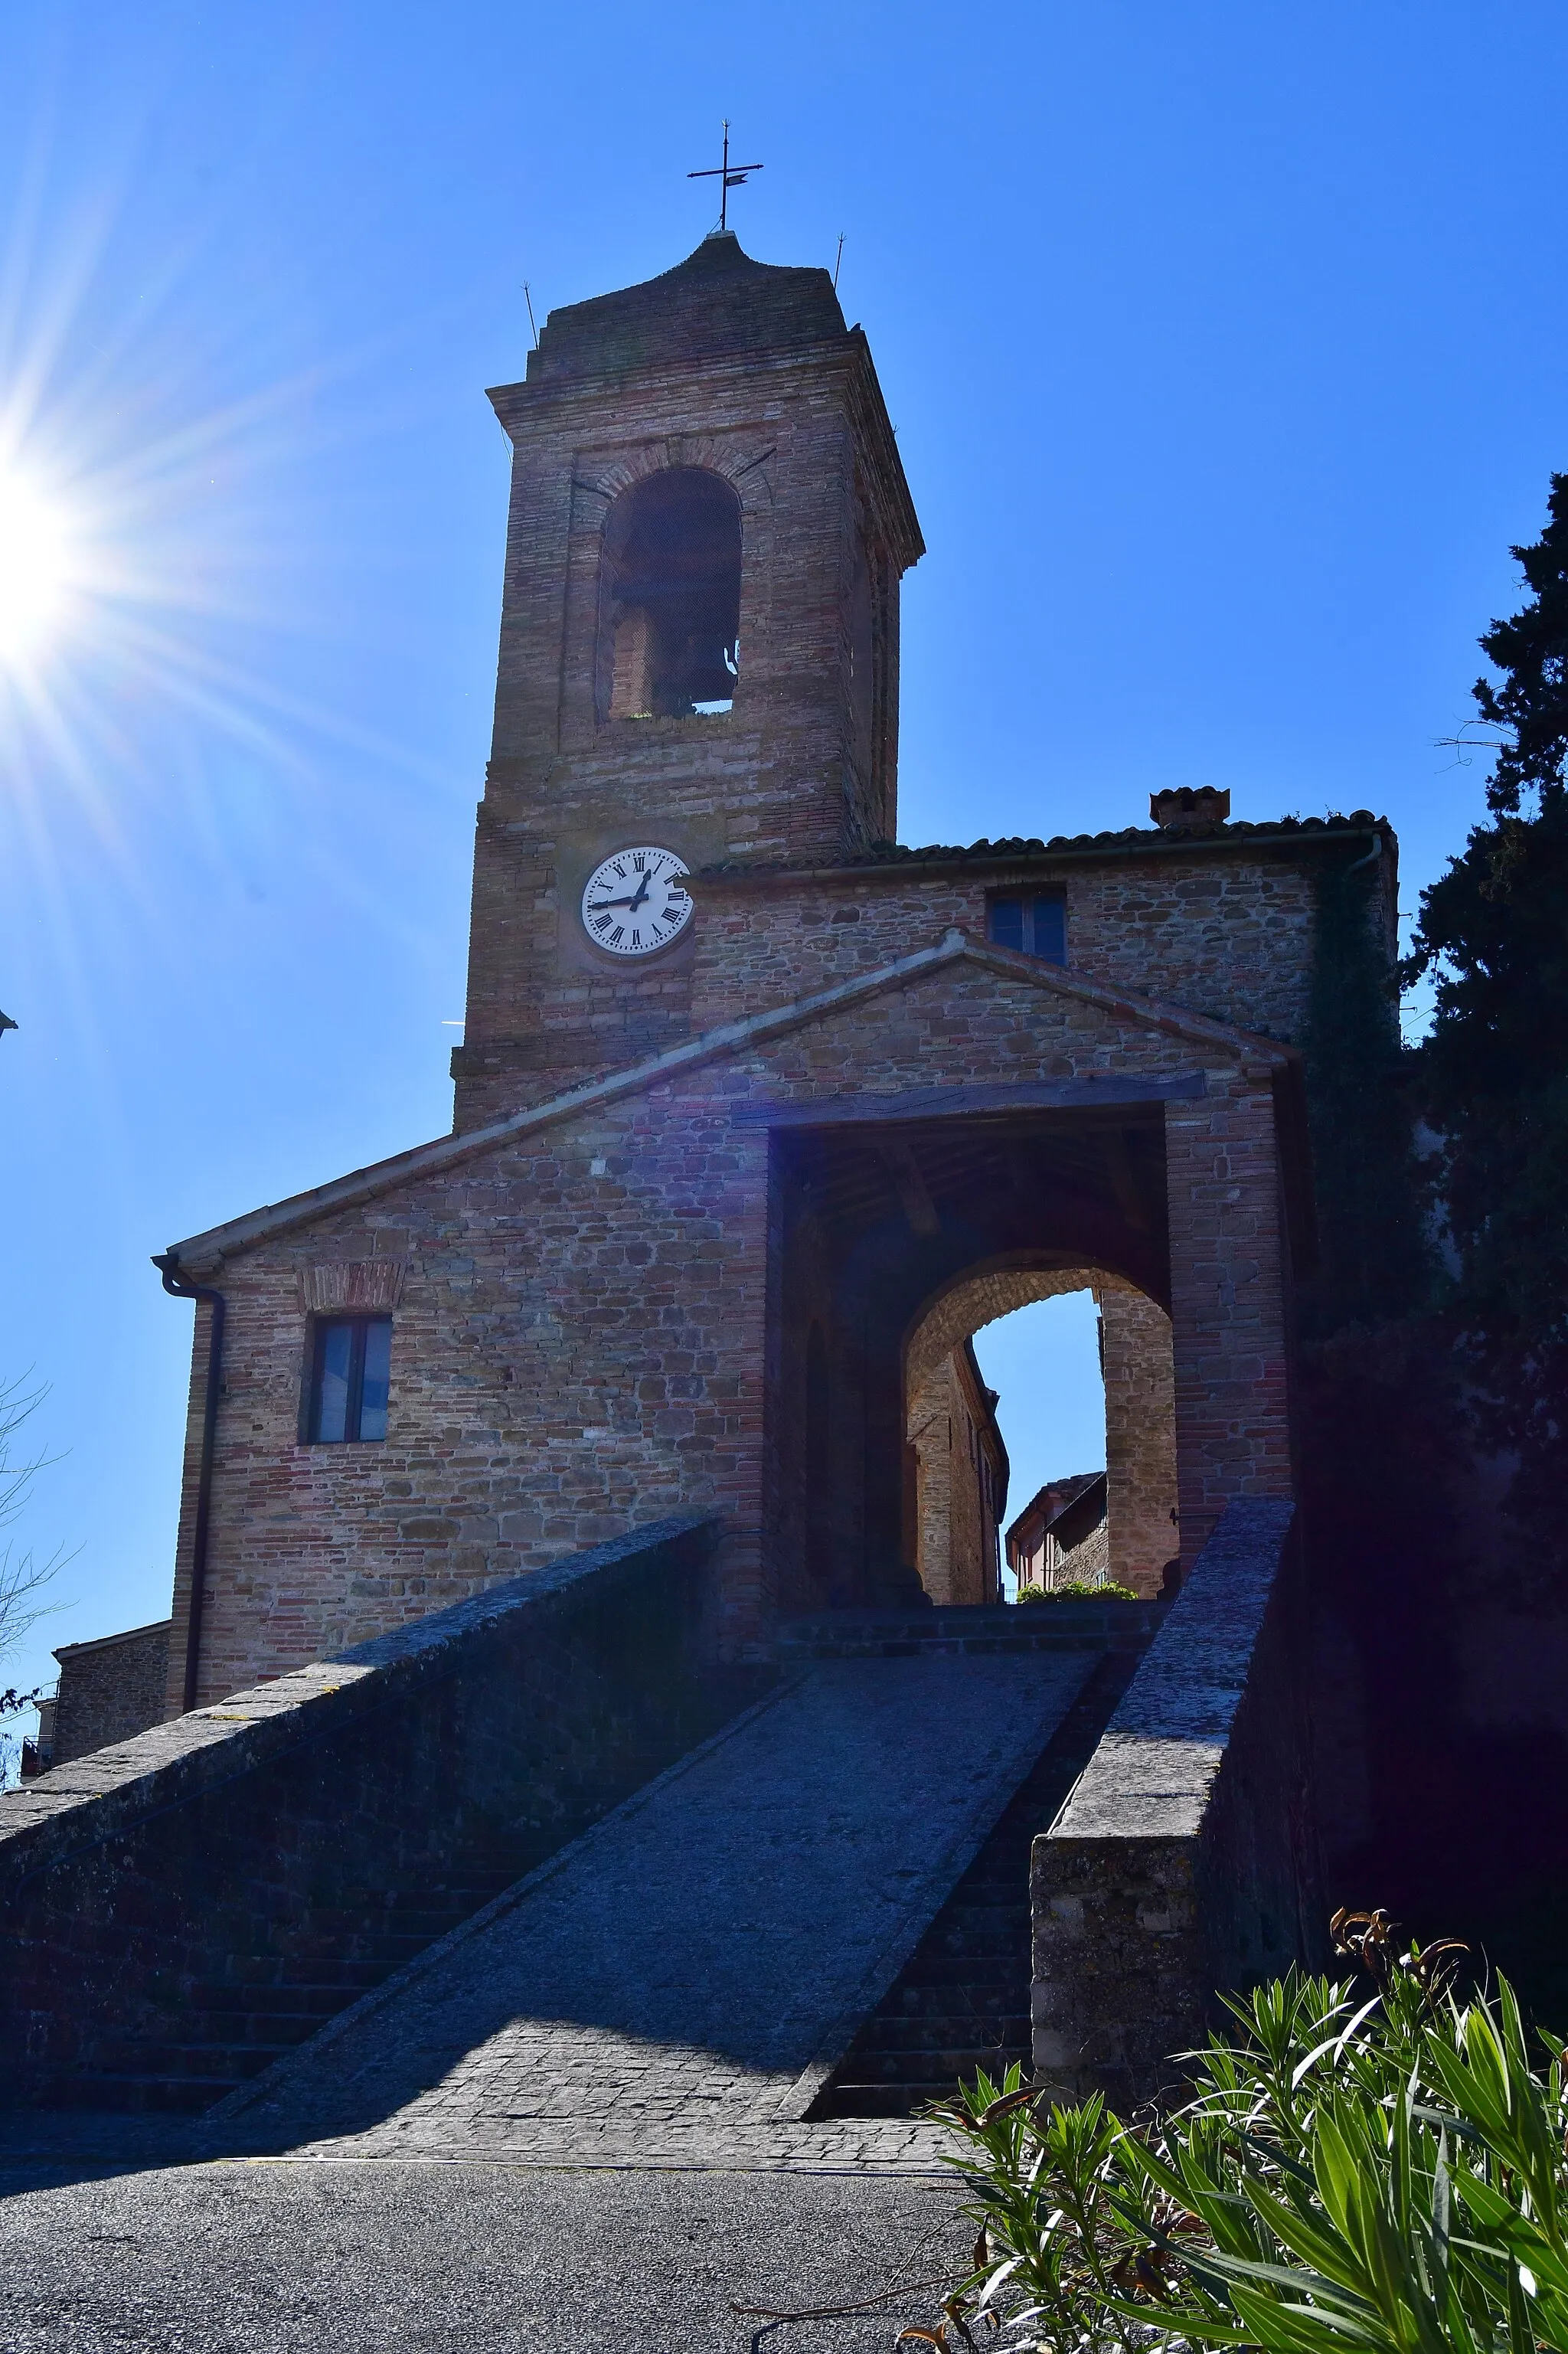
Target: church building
(760, 1117)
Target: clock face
(635, 902)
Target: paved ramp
(684, 1977)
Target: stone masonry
(960, 1477)
(697, 1205)
(1140, 1437)
(109, 1689)
(747, 376)
(582, 1332)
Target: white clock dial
(635, 902)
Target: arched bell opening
(670, 598)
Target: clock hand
(633, 903)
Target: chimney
(1190, 809)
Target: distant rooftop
(715, 302)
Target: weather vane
(729, 175)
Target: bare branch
(22, 1575)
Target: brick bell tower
(699, 650)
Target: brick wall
(1228, 1305)
(960, 1472)
(1140, 1437)
(1223, 931)
(582, 1337)
(203, 1853)
(109, 1690)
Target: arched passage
(898, 1240)
(1137, 1368)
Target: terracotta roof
(1066, 1491)
(882, 856)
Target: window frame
(1029, 901)
(315, 1367)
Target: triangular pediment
(1119, 1008)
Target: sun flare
(35, 565)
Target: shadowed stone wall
(1185, 1860)
(201, 1853)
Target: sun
(36, 566)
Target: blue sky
(1226, 347)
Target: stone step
(889, 2038)
(267, 2004)
(273, 2001)
(943, 2069)
(231, 2062)
(214, 2028)
(973, 1628)
(859, 2099)
(961, 2003)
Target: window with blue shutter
(1035, 923)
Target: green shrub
(1077, 1589)
(1384, 2173)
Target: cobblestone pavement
(673, 1990)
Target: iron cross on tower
(729, 175)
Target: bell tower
(699, 650)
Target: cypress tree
(1492, 1075)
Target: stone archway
(944, 1484)
(888, 1234)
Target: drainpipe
(1370, 858)
(180, 1286)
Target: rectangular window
(350, 1375)
(1036, 925)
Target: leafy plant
(1077, 1589)
(1385, 2172)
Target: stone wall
(1089, 1563)
(960, 1483)
(1140, 1437)
(1224, 928)
(1185, 1860)
(774, 395)
(581, 1337)
(197, 1854)
(109, 1690)
(1228, 1290)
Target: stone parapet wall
(188, 1855)
(1185, 1861)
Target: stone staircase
(961, 2003)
